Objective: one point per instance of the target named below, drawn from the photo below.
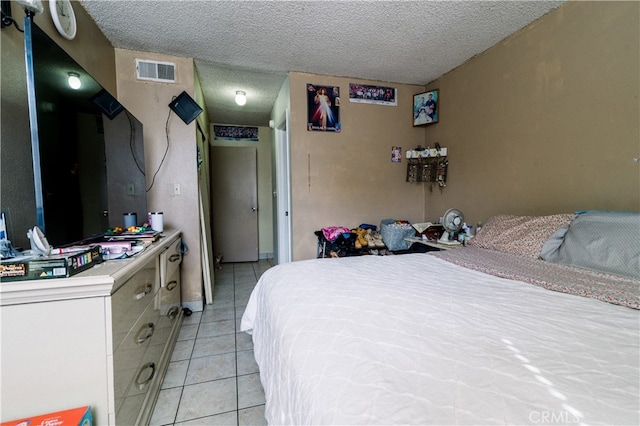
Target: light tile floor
(213, 378)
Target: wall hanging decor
(379, 95)
(323, 108)
(235, 133)
(426, 108)
(428, 165)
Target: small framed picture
(426, 108)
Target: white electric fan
(451, 222)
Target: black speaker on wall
(185, 107)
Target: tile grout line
(175, 416)
(235, 341)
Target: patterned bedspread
(415, 339)
(609, 288)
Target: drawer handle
(140, 382)
(173, 312)
(145, 332)
(172, 284)
(174, 258)
(147, 289)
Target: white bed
(417, 339)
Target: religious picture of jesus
(323, 108)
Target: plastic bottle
(478, 227)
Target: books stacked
(139, 236)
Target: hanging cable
(166, 131)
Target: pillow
(520, 235)
(552, 245)
(603, 241)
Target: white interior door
(234, 201)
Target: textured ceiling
(251, 45)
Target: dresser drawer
(169, 294)
(135, 364)
(170, 261)
(143, 354)
(130, 301)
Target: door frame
(282, 191)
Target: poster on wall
(323, 108)
(235, 133)
(396, 154)
(378, 95)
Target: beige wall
(265, 198)
(347, 178)
(149, 101)
(546, 121)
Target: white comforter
(414, 339)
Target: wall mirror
(91, 152)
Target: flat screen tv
(90, 148)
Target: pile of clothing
(340, 241)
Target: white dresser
(101, 338)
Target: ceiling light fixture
(74, 80)
(241, 97)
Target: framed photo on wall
(426, 108)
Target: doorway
(234, 196)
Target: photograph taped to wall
(235, 133)
(323, 108)
(426, 108)
(379, 95)
(396, 154)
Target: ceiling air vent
(164, 72)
